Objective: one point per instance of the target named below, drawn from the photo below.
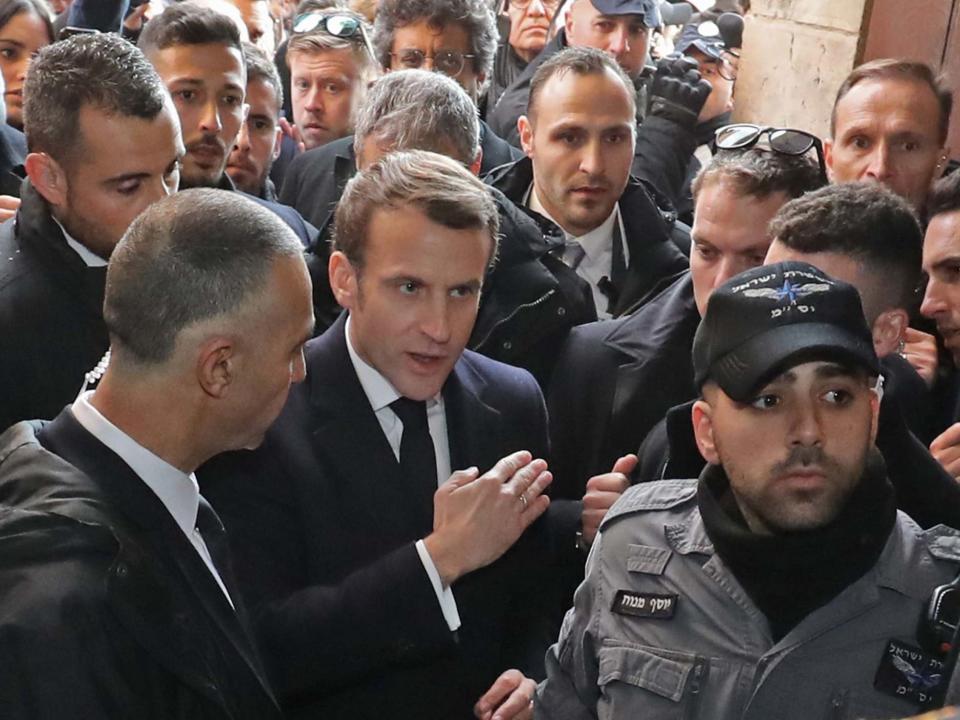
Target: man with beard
(783, 582)
(258, 143)
(198, 54)
(105, 144)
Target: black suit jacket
(615, 380)
(325, 540)
(106, 609)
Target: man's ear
(525, 128)
(278, 143)
(477, 162)
(216, 366)
(702, 418)
(48, 177)
(344, 280)
(828, 157)
(942, 161)
(888, 330)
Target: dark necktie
(418, 461)
(215, 538)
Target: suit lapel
(473, 427)
(138, 585)
(348, 438)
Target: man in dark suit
(374, 591)
(579, 137)
(116, 594)
(530, 299)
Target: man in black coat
(372, 590)
(530, 298)
(615, 380)
(579, 139)
(106, 145)
(117, 597)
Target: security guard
(783, 583)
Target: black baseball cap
(650, 9)
(711, 38)
(770, 318)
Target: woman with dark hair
(25, 27)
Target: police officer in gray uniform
(782, 583)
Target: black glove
(677, 92)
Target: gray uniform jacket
(708, 653)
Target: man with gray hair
(117, 594)
(380, 529)
(104, 144)
(532, 299)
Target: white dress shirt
(380, 393)
(178, 491)
(597, 246)
(89, 258)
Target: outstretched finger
(508, 466)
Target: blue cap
(650, 9)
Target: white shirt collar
(89, 258)
(177, 490)
(379, 391)
(594, 243)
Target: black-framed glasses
(786, 141)
(448, 62)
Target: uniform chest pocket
(651, 683)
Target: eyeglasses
(785, 141)
(524, 4)
(341, 25)
(447, 62)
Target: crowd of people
(458, 358)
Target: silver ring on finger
(523, 501)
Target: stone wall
(795, 55)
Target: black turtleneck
(789, 575)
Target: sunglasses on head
(785, 141)
(337, 24)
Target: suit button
(122, 570)
(561, 311)
(507, 345)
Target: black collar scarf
(790, 575)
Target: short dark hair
(193, 256)
(760, 172)
(579, 61)
(186, 24)
(102, 71)
(944, 196)
(895, 69)
(261, 67)
(420, 110)
(865, 221)
(9, 9)
(475, 16)
(438, 186)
